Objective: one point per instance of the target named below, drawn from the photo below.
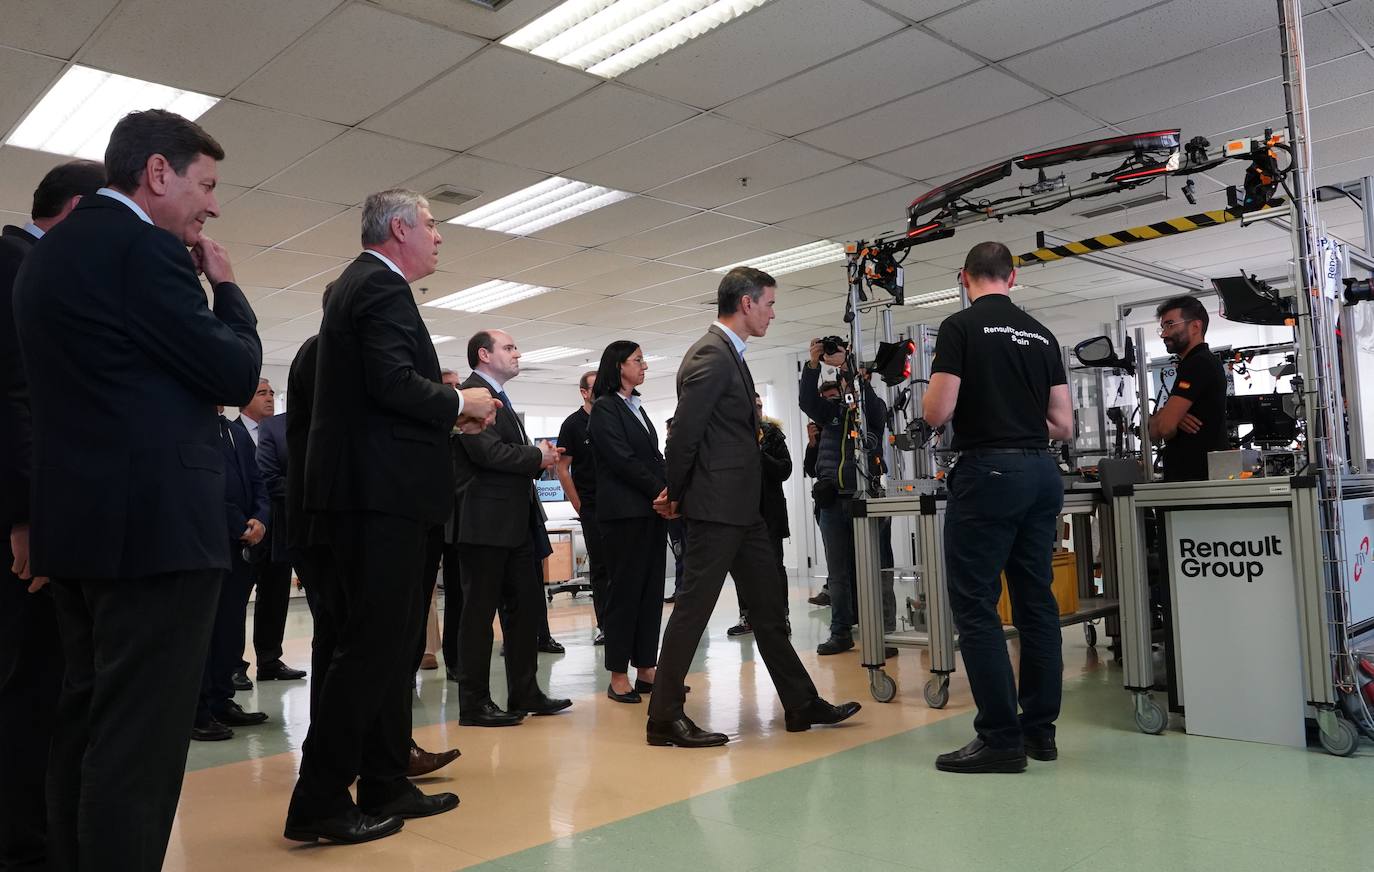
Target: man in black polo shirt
(999, 376)
(577, 472)
(1193, 421)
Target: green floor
(1115, 800)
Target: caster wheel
(1151, 718)
(1090, 634)
(881, 685)
(937, 692)
(1343, 741)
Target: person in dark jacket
(777, 468)
(629, 477)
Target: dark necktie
(505, 401)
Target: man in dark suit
(247, 516)
(126, 363)
(30, 648)
(377, 480)
(501, 539)
(714, 480)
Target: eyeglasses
(1166, 326)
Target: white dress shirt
(251, 426)
(734, 339)
(33, 230)
(115, 195)
(636, 404)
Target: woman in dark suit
(629, 477)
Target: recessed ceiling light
(78, 113)
(610, 37)
(935, 298)
(436, 339)
(654, 357)
(793, 259)
(488, 296)
(555, 352)
(531, 209)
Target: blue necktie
(505, 401)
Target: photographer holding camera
(834, 409)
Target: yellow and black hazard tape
(1172, 227)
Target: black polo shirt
(572, 438)
(1006, 362)
(1202, 379)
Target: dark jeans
(1001, 515)
(226, 640)
(30, 679)
(135, 650)
(837, 538)
(634, 614)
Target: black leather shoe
(599, 638)
(648, 687)
(241, 680)
(488, 714)
(740, 629)
(541, 705)
(212, 731)
(669, 600)
(631, 697)
(450, 674)
(835, 645)
(414, 805)
(349, 828)
(1042, 749)
(234, 715)
(820, 599)
(551, 646)
(978, 757)
(278, 671)
(682, 733)
(423, 762)
(818, 711)
(889, 652)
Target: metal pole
(1143, 394)
(890, 456)
(1367, 198)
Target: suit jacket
(495, 469)
(273, 457)
(245, 496)
(126, 363)
(777, 468)
(16, 436)
(714, 470)
(629, 466)
(300, 393)
(380, 417)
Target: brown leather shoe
(429, 661)
(423, 762)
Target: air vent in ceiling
(1123, 206)
(493, 5)
(451, 196)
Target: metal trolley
(1085, 508)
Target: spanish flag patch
(1183, 385)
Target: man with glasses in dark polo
(1193, 420)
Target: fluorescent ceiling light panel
(436, 339)
(794, 259)
(550, 202)
(78, 113)
(934, 298)
(610, 37)
(654, 357)
(556, 352)
(487, 296)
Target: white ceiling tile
(296, 330)
(317, 283)
(510, 257)
(259, 218)
(555, 304)
(586, 127)
(692, 146)
(326, 75)
(741, 248)
(732, 60)
(698, 230)
(843, 185)
(26, 77)
(204, 45)
(487, 179)
(340, 236)
(474, 18)
(260, 142)
(623, 313)
(1157, 34)
(21, 170)
(986, 26)
(919, 10)
(687, 290)
(764, 170)
(287, 305)
(54, 27)
(967, 100)
(463, 108)
(574, 269)
(888, 70)
(1343, 116)
(615, 221)
(459, 242)
(840, 222)
(1342, 149)
(634, 278)
(986, 143)
(354, 165)
(281, 269)
(1346, 172)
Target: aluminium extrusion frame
(1082, 505)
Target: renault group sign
(1223, 558)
